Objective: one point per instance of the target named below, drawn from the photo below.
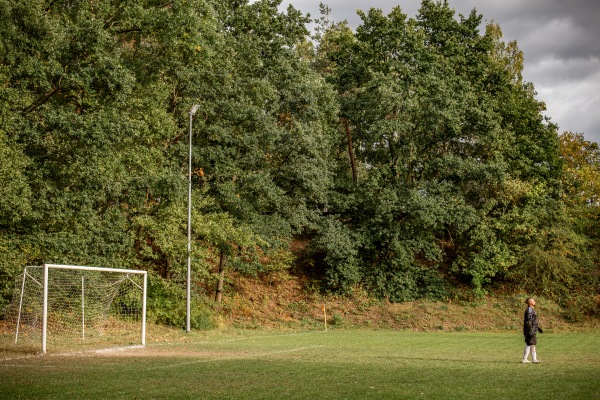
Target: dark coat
(530, 323)
(531, 327)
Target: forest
(406, 157)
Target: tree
(93, 125)
(581, 178)
(440, 122)
(267, 132)
(581, 196)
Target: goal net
(69, 307)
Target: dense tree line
(408, 155)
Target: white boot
(526, 354)
(534, 355)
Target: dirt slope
(286, 302)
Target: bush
(581, 306)
(167, 306)
(409, 283)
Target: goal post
(80, 306)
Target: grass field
(339, 364)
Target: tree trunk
(350, 150)
(168, 269)
(219, 293)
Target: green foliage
(399, 283)
(409, 152)
(167, 305)
(338, 247)
(442, 130)
(579, 305)
(11, 261)
(484, 256)
(15, 192)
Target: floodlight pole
(189, 225)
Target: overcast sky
(560, 40)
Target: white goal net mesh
(86, 308)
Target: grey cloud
(551, 71)
(560, 40)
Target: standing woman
(530, 329)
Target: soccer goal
(73, 307)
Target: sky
(560, 40)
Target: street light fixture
(189, 233)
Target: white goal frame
(47, 267)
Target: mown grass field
(338, 364)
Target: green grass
(339, 364)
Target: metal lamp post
(189, 235)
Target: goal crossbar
(99, 269)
